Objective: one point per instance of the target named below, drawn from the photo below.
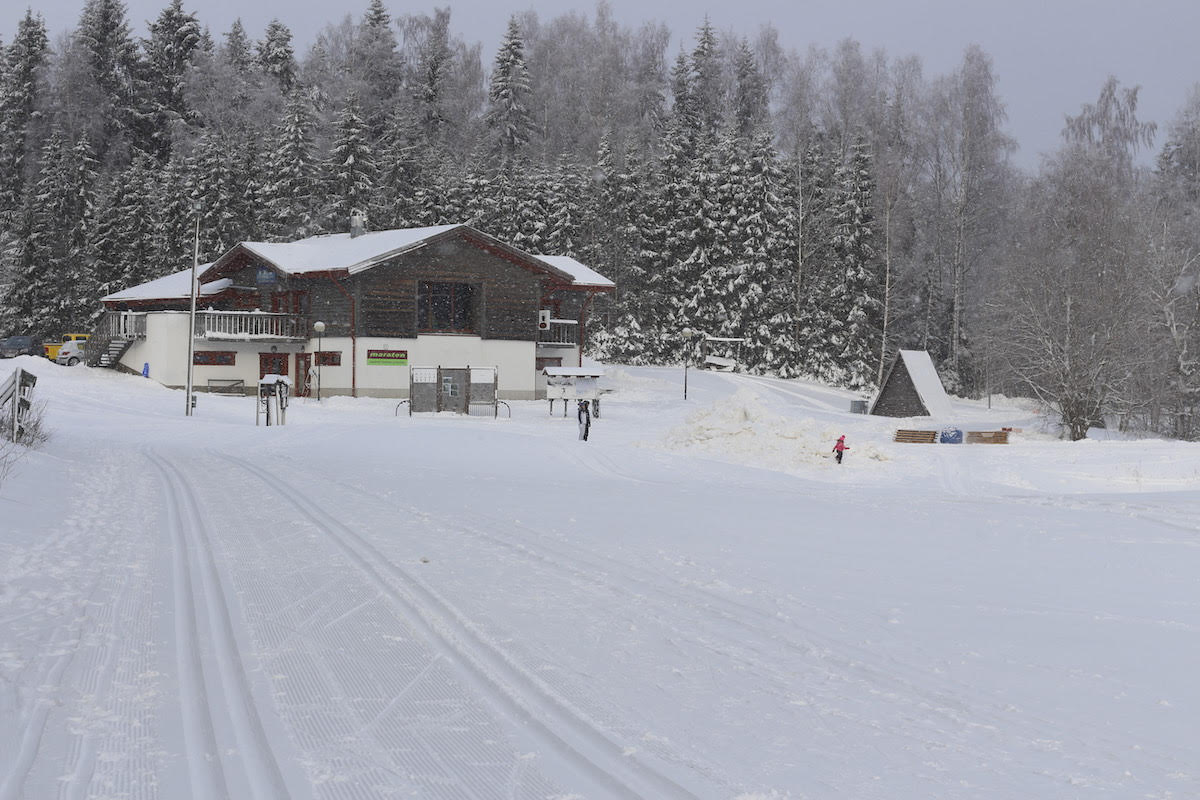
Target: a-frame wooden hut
(911, 388)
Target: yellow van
(51, 350)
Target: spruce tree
(565, 210)
(350, 174)
(812, 263)
(237, 50)
(433, 74)
(53, 288)
(750, 100)
(174, 37)
(276, 57)
(172, 242)
(114, 69)
(123, 234)
(22, 86)
(290, 190)
(508, 116)
(855, 308)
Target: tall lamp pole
(319, 327)
(191, 337)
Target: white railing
(561, 333)
(125, 325)
(248, 325)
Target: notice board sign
(397, 358)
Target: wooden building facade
(444, 296)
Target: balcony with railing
(561, 333)
(249, 326)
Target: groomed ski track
(360, 607)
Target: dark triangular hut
(911, 388)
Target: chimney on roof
(358, 223)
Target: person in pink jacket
(840, 447)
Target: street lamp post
(191, 338)
(319, 327)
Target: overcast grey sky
(1050, 55)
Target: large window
(445, 307)
(214, 358)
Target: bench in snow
(226, 386)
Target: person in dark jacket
(840, 447)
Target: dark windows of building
(213, 358)
(445, 307)
(329, 358)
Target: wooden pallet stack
(916, 437)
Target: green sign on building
(388, 357)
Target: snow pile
(633, 388)
(741, 429)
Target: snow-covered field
(697, 603)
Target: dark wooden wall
(507, 295)
(899, 397)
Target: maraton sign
(396, 357)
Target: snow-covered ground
(697, 603)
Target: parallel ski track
(62, 645)
(207, 775)
(559, 727)
(12, 788)
(763, 625)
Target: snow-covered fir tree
(53, 288)
(350, 173)
(123, 233)
(855, 307)
(565, 198)
(22, 89)
(176, 212)
(291, 189)
(174, 37)
(237, 50)
(112, 70)
(276, 57)
(509, 118)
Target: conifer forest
(827, 206)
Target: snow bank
(741, 429)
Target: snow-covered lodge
(442, 296)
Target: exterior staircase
(113, 337)
(111, 355)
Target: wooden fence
(16, 401)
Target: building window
(542, 363)
(214, 358)
(329, 358)
(445, 307)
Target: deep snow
(696, 603)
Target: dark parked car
(15, 346)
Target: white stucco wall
(515, 361)
(165, 349)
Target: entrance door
(272, 364)
(303, 384)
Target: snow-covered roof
(928, 384)
(581, 275)
(169, 287)
(341, 251)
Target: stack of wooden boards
(931, 437)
